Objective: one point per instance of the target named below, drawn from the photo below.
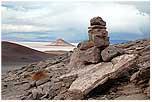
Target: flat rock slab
(91, 79)
(98, 74)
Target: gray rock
(42, 81)
(34, 93)
(68, 80)
(91, 55)
(82, 57)
(134, 77)
(132, 97)
(32, 83)
(52, 93)
(75, 60)
(57, 86)
(37, 93)
(110, 52)
(30, 97)
(74, 95)
(59, 97)
(100, 73)
(46, 87)
(90, 79)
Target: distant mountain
(12, 52)
(60, 42)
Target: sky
(48, 21)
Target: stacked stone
(97, 48)
(98, 33)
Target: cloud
(71, 19)
(8, 28)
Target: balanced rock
(110, 52)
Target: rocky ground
(121, 76)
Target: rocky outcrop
(119, 71)
(54, 79)
(100, 73)
(89, 52)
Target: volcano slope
(124, 76)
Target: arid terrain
(16, 56)
(55, 78)
(94, 70)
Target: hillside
(133, 83)
(12, 52)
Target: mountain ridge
(60, 42)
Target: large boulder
(94, 75)
(91, 55)
(110, 52)
(97, 21)
(83, 57)
(75, 60)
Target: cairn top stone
(97, 27)
(97, 21)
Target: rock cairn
(97, 48)
(98, 33)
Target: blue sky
(48, 21)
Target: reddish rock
(39, 75)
